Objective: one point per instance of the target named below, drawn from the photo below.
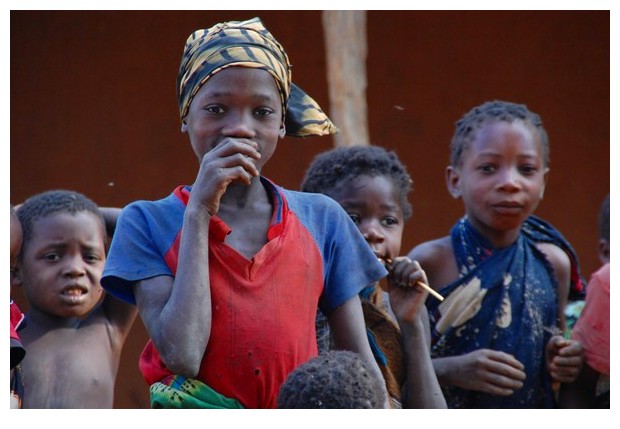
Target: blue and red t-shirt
(263, 308)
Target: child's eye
(487, 168)
(214, 109)
(528, 169)
(390, 221)
(92, 257)
(263, 111)
(355, 218)
(51, 257)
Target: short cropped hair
(331, 169)
(50, 203)
(494, 111)
(336, 379)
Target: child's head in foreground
(372, 185)
(499, 164)
(63, 253)
(337, 379)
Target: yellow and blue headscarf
(248, 44)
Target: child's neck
(39, 323)
(239, 196)
(498, 239)
(248, 213)
(242, 192)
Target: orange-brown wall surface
(93, 108)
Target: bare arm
(349, 333)
(120, 314)
(422, 388)
(176, 311)
(110, 216)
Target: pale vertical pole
(346, 51)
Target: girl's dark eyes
(487, 168)
(51, 257)
(263, 111)
(218, 110)
(355, 218)
(92, 257)
(88, 257)
(390, 221)
(528, 169)
(387, 221)
(215, 109)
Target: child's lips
(74, 294)
(508, 207)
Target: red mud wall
(93, 108)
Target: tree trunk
(346, 50)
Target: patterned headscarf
(248, 44)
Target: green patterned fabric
(248, 44)
(181, 392)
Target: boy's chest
(69, 368)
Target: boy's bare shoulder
(432, 251)
(555, 255)
(436, 257)
(559, 260)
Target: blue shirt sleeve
(349, 263)
(144, 233)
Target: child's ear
(16, 277)
(183, 127)
(453, 182)
(282, 131)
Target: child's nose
(509, 180)
(372, 231)
(239, 125)
(74, 266)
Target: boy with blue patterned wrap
(505, 274)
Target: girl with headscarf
(227, 273)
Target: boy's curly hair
(335, 379)
(494, 111)
(52, 202)
(333, 169)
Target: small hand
(564, 359)
(232, 160)
(406, 298)
(489, 371)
